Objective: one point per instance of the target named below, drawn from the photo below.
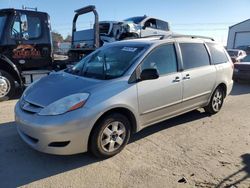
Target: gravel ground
(192, 150)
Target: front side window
(163, 59)
(218, 53)
(151, 23)
(162, 25)
(108, 62)
(194, 55)
(34, 27)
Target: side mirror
(149, 74)
(143, 27)
(24, 26)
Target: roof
(20, 10)
(239, 23)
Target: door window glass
(194, 55)
(151, 23)
(163, 59)
(162, 25)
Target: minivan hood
(56, 86)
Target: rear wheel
(216, 101)
(7, 85)
(110, 136)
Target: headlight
(236, 70)
(66, 104)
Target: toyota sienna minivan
(120, 89)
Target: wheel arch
(224, 88)
(11, 68)
(122, 110)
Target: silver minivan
(120, 89)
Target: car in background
(122, 88)
(242, 69)
(130, 28)
(236, 54)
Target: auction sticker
(129, 49)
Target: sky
(199, 17)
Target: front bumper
(63, 134)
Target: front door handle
(177, 79)
(187, 77)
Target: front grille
(104, 28)
(30, 107)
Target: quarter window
(218, 53)
(194, 55)
(163, 59)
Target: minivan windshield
(2, 23)
(107, 62)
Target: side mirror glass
(24, 26)
(149, 74)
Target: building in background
(239, 36)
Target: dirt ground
(205, 151)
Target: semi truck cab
(25, 48)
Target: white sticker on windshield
(129, 49)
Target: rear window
(194, 55)
(218, 53)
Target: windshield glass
(246, 59)
(135, 20)
(233, 53)
(108, 62)
(2, 22)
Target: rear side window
(194, 55)
(162, 25)
(218, 53)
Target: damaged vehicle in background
(242, 70)
(134, 27)
(85, 41)
(236, 55)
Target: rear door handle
(177, 79)
(187, 77)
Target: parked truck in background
(87, 40)
(26, 50)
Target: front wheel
(110, 136)
(7, 85)
(216, 102)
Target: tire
(110, 135)
(7, 86)
(216, 101)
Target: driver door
(160, 98)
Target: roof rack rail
(174, 35)
(186, 36)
